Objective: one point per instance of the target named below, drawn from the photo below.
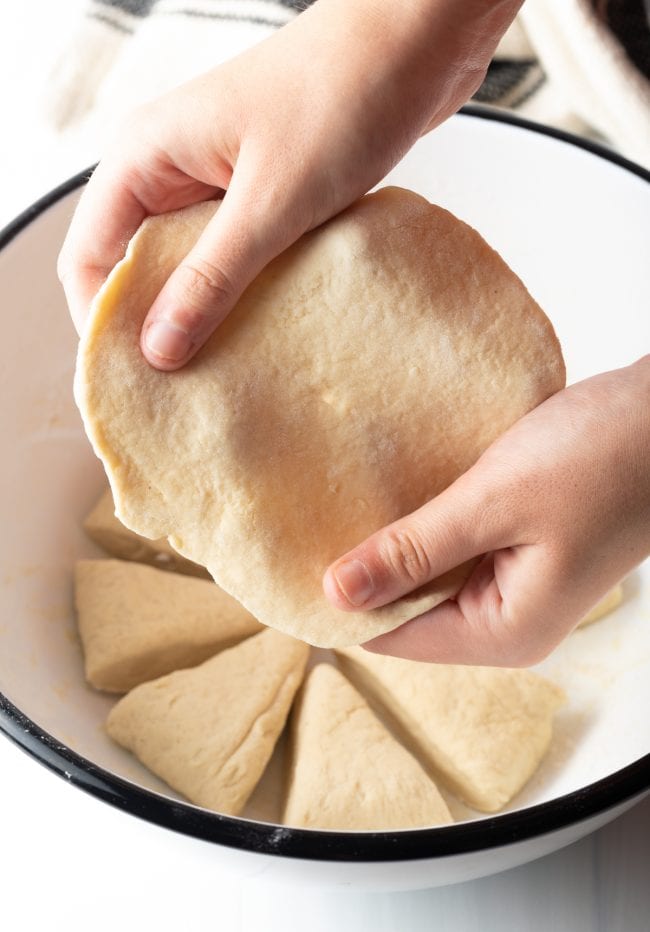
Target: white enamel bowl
(575, 224)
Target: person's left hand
(558, 509)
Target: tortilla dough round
(363, 371)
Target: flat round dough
(363, 371)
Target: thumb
(454, 527)
(242, 237)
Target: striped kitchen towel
(581, 65)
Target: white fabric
(589, 73)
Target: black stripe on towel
(509, 82)
(133, 7)
(109, 21)
(224, 17)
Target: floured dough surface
(482, 730)
(210, 731)
(359, 375)
(137, 623)
(347, 771)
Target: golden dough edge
(104, 308)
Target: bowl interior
(574, 226)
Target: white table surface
(69, 862)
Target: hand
(558, 509)
(293, 131)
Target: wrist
(428, 54)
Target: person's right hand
(556, 511)
(293, 131)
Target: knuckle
(131, 125)
(525, 655)
(513, 644)
(405, 556)
(513, 652)
(204, 285)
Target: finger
(457, 525)
(465, 630)
(445, 635)
(242, 237)
(515, 608)
(106, 217)
(117, 198)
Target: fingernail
(165, 340)
(354, 581)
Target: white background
(70, 862)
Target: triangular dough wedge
(482, 730)
(210, 731)
(347, 770)
(137, 623)
(105, 529)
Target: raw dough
(137, 623)
(348, 772)
(102, 526)
(482, 730)
(210, 731)
(362, 372)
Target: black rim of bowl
(464, 837)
